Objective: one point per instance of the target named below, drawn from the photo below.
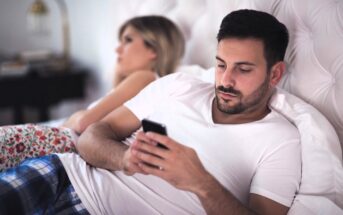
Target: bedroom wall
(93, 39)
(93, 35)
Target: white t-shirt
(261, 157)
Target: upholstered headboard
(314, 73)
(314, 55)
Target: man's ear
(276, 73)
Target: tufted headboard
(314, 56)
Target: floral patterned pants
(19, 142)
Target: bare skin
(133, 73)
(127, 89)
(180, 165)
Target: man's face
(242, 82)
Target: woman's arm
(127, 89)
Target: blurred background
(92, 40)
(31, 52)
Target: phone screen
(159, 128)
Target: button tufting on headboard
(314, 56)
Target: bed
(311, 92)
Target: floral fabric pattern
(19, 142)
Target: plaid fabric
(38, 186)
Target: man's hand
(130, 163)
(179, 164)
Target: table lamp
(38, 18)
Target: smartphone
(159, 128)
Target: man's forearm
(99, 147)
(216, 199)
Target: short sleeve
(158, 92)
(144, 103)
(278, 176)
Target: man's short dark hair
(259, 25)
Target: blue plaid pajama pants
(38, 186)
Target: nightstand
(41, 90)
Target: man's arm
(100, 146)
(216, 199)
(181, 167)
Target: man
(227, 151)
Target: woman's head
(156, 44)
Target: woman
(150, 47)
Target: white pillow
(322, 171)
(309, 205)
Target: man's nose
(227, 78)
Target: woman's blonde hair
(161, 35)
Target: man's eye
(220, 65)
(244, 70)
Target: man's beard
(249, 102)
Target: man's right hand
(130, 163)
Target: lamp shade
(38, 18)
(38, 21)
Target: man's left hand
(178, 164)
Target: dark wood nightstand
(41, 90)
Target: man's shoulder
(181, 82)
(282, 127)
(180, 76)
(193, 73)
